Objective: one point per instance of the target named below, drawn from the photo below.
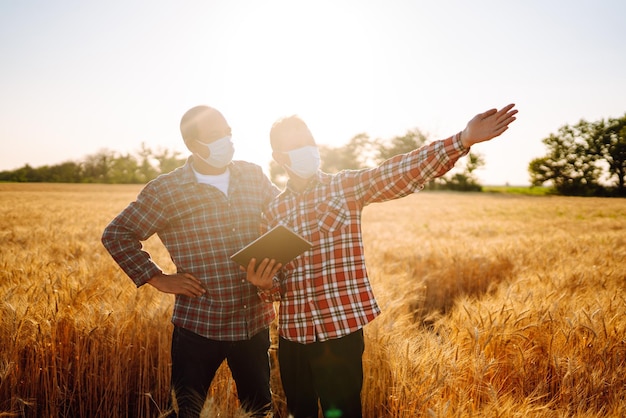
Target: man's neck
(206, 169)
(299, 184)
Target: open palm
(488, 125)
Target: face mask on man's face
(304, 162)
(221, 152)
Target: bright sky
(77, 77)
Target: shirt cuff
(146, 275)
(458, 144)
(273, 294)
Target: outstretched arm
(488, 125)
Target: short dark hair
(191, 124)
(287, 126)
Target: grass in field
(493, 305)
(538, 314)
(523, 190)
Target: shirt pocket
(332, 215)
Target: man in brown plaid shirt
(203, 212)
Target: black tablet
(279, 243)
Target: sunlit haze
(79, 77)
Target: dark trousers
(331, 371)
(195, 360)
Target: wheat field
(494, 305)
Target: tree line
(585, 159)
(107, 166)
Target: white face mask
(221, 152)
(304, 162)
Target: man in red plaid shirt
(325, 295)
(203, 212)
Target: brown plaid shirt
(201, 228)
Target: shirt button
(234, 229)
(245, 306)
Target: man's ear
(192, 145)
(195, 148)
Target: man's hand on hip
(178, 284)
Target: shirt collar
(319, 178)
(188, 175)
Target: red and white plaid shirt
(326, 291)
(200, 227)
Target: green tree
(22, 174)
(97, 167)
(610, 145)
(105, 166)
(464, 180)
(124, 169)
(571, 165)
(168, 160)
(586, 159)
(146, 170)
(66, 172)
(356, 154)
(413, 139)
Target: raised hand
(488, 125)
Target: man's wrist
(154, 278)
(273, 294)
(462, 138)
(274, 282)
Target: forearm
(436, 159)
(129, 255)
(407, 173)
